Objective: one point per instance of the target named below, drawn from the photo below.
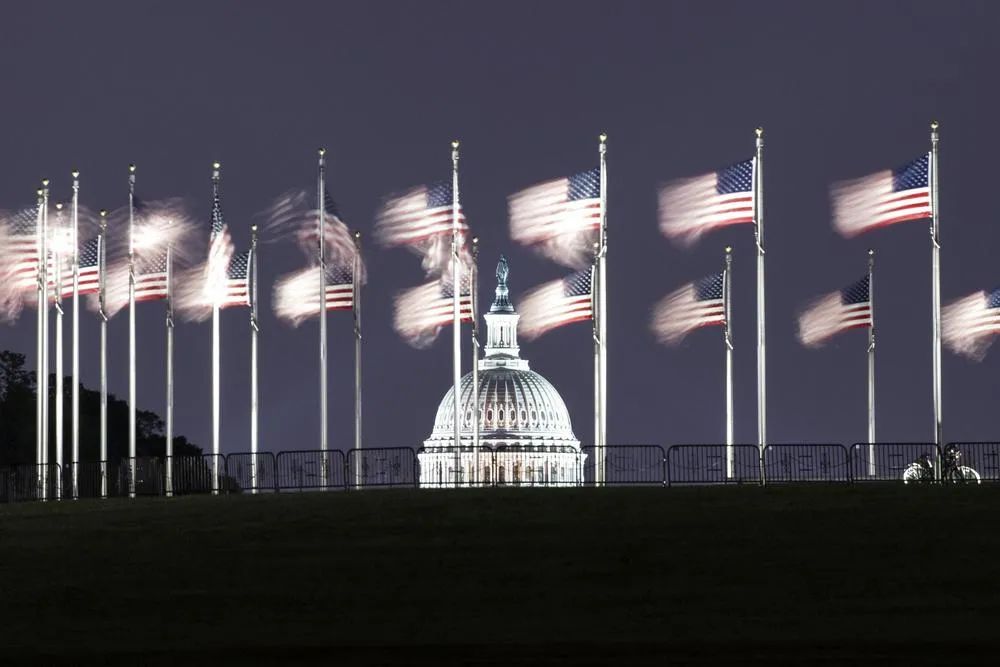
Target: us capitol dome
(525, 432)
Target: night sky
(842, 89)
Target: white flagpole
(169, 449)
(216, 352)
(727, 291)
(456, 313)
(602, 311)
(356, 301)
(44, 306)
(131, 330)
(41, 395)
(871, 365)
(321, 252)
(595, 303)
(75, 406)
(102, 284)
(474, 295)
(758, 216)
(936, 288)
(57, 267)
(254, 330)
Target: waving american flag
(695, 305)
(421, 312)
(884, 198)
(557, 303)
(237, 292)
(969, 324)
(834, 313)
(692, 207)
(417, 215)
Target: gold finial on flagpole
(76, 173)
(322, 152)
(131, 168)
(934, 125)
(729, 249)
(45, 182)
(759, 131)
(604, 137)
(454, 144)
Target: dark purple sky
(842, 89)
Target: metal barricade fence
(186, 475)
(91, 479)
(28, 481)
(636, 465)
(709, 464)
(251, 472)
(141, 476)
(886, 461)
(983, 457)
(310, 469)
(806, 462)
(380, 467)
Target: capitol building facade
(525, 433)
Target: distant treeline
(17, 420)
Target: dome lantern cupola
(501, 327)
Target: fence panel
(806, 462)
(983, 457)
(141, 476)
(250, 472)
(379, 467)
(886, 461)
(91, 479)
(708, 464)
(197, 474)
(541, 465)
(636, 465)
(28, 481)
(310, 469)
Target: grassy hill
(574, 576)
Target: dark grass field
(791, 575)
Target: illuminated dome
(520, 413)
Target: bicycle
(922, 469)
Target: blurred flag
(151, 275)
(881, 199)
(295, 295)
(422, 311)
(557, 303)
(417, 216)
(692, 207)
(90, 267)
(565, 206)
(220, 252)
(237, 292)
(968, 325)
(20, 254)
(698, 304)
(829, 315)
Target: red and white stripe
(692, 207)
(829, 315)
(151, 286)
(421, 312)
(543, 211)
(547, 307)
(869, 203)
(407, 220)
(680, 312)
(968, 325)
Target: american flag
(22, 249)
(557, 303)
(220, 251)
(563, 206)
(237, 291)
(829, 315)
(151, 275)
(884, 198)
(339, 287)
(90, 267)
(698, 304)
(422, 311)
(695, 206)
(418, 215)
(969, 324)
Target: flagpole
(728, 339)
(254, 330)
(57, 299)
(169, 450)
(474, 295)
(131, 330)
(102, 268)
(758, 216)
(43, 305)
(75, 440)
(602, 310)
(356, 301)
(41, 396)
(456, 313)
(321, 251)
(936, 289)
(871, 364)
(216, 352)
(595, 278)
